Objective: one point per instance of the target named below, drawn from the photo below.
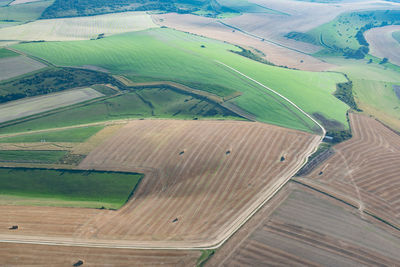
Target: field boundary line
(275, 92)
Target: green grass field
(73, 188)
(164, 54)
(372, 87)
(69, 135)
(23, 13)
(31, 156)
(155, 103)
(396, 35)
(7, 53)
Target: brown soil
(366, 168)
(210, 191)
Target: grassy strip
(31, 156)
(7, 53)
(108, 190)
(69, 135)
(204, 257)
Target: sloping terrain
(302, 227)
(202, 180)
(82, 28)
(382, 43)
(33, 105)
(364, 170)
(168, 55)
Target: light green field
(148, 103)
(23, 13)
(396, 36)
(81, 28)
(372, 88)
(80, 134)
(164, 54)
(71, 188)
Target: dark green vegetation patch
(91, 188)
(50, 81)
(31, 156)
(344, 92)
(68, 8)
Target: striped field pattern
(366, 168)
(202, 179)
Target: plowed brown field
(365, 169)
(202, 180)
(301, 227)
(42, 255)
(382, 44)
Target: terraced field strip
(366, 168)
(11, 67)
(34, 105)
(203, 180)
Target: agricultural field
(199, 133)
(364, 170)
(83, 28)
(210, 28)
(4, 53)
(68, 188)
(34, 105)
(301, 227)
(373, 87)
(31, 156)
(42, 255)
(298, 16)
(382, 43)
(396, 36)
(18, 2)
(198, 61)
(204, 173)
(18, 14)
(79, 134)
(13, 66)
(146, 103)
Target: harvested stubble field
(202, 179)
(364, 170)
(11, 67)
(82, 28)
(34, 105)
(42, 255)
(301, 227)
(382, 44)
